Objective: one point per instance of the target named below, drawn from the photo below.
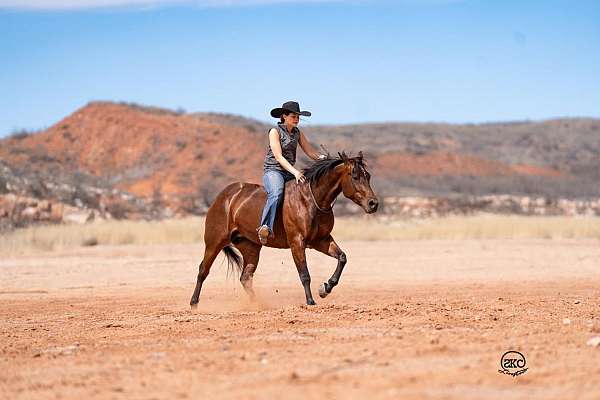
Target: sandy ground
(409, 320)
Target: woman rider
(279, 162)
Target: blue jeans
(274, 182)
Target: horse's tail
(234, 259)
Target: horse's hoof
(311, 302)
(323, 291)
(193, 305)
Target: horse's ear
(360, 156)
(343, 156)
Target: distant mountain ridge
(181, 160)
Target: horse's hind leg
(251, 253)
(210, 253)
(330, 247)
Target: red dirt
(410, 320)
(174, 154)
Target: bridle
(328, 210)
(323, 210)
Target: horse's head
(356, 183)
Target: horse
(304, 220)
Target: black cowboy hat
(291, 106)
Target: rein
(315, 201)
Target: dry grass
(58, 237)
(475, 227)
(190, 230)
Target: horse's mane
(319, 168)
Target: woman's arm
(276, 148)
(308, 148)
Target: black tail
(233, 259)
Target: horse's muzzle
(372, 205)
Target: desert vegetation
(190, 230)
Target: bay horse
(304, 220)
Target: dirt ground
(409, 320)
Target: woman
(280, 159)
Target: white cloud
(85, 4)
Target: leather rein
(328, 210)
(323, 210)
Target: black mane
(319, 168)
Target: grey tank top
(289, 143)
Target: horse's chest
(321, 227)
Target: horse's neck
(328, 189)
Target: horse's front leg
(298, 247)
(328, 246)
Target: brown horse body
(304, 220)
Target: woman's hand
(299, 176)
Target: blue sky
(346, 61)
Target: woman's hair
(285, 112)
